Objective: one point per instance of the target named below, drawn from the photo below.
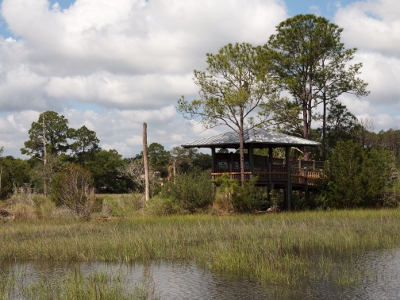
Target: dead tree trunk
(44, 157)
(146, 162)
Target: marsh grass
(281, 249)
(74, 285)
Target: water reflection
(382, 274)
(171, 281)
(380, 280)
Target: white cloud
(135, 36)
(132, 58)
(382, 73)
(135, 58)
(372, 25)
(122, 91)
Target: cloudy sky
(112, 65)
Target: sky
(112, 65)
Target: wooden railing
(278, 174)
(305, 176)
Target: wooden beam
(251, 160)
(213, 159)
(289, 178)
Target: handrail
(299, 176)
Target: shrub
(121, 205)
(159, 206)
(357, 176)
(240, 198)
(71, 188)
(190, 192)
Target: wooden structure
(272, 172)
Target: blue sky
(112, 65)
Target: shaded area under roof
(257, 137)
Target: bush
(71, 188)
(163, 206)
(357, 176)
(189, 192)
(121, 205)
(239, 198)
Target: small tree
(72, 188)
(233, 88)
(134, 169)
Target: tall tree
(85, 143)
(231, 90)
(340, 126)
(159, 158)
(47, 137)
(310, 61)
(48, 134)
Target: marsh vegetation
(273, 248)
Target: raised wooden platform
(304, 174)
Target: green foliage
(357, 176)
(85, 143)
(226, 188)
(243, 196)
(190, 192)
(234, 91)
(159, 158)
(14, 172)
(42, 176)
(104, 166)
(55, 128)
(160, 206)
(240, 198)
(120, 205)
(312, 64)
(188, 159)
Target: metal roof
(252, 136)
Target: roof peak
(259, 136)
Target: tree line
(288, 84)
(54, 147)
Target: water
(380, 280)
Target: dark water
(380, 280)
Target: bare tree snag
(146, 162)
(44, 157)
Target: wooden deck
(275, 176)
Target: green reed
(280, 248)
(73, 285)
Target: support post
(213, 159)
(251, 160)
(289, 178)
(270, 161)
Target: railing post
(306, 178)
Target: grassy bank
(274, 248)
